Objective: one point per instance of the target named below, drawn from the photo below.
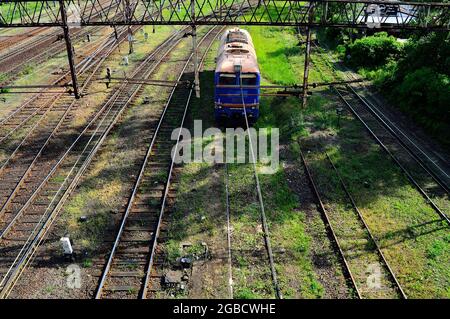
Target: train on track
(236, 78)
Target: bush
(382, 77)
(425, 95)
(415, 76)
(373, 51)
(432, 51)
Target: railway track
(435, 165)
(330, 229)
(265, 255)
(425, 171)
(38, 50)
(45, 136)
(90, 137)
(263, 219)
(135, 267)
(12, 59)
(130, 270)
(229, 251)
(357, 243)
(435, 162)
(421, 168)
(13, 42)
(26, 226)
(33, 109)
(25, 229)
(421, 177)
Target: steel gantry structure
(327, 13)
(360, 14)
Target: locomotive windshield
(237, 51)
(227, 79)
(248, 79)
(237, 36)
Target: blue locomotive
(236, 78)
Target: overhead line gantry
(358, 14)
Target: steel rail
(45, 144)
(397, 162)
(86, 66)
(32, 247)
(110, 102)
(416, 145)
(388, 125)
(51, 50)
(230, 264)
(144, 288)
(136, 186)
(167, 186)
(392, 156)
(169, 177)
(16, 271)
(80, 67)
(4, 283)
(265, 227)
(78, 35)
(16, 50)
(331, 231)
(133, 194)
(363, 221)
(83, 65)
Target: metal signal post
(69, 49)
(195, 51)
(307, 55)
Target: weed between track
(200, 214)
(100, 194)
(415, 242)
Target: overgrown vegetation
(413, 238)
(200, 206)
(373, 51)
(409, 232)
(414, 75)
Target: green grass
(201, 190)
(397, 214)
(278, 56)
(10, 12)
(100, 193)
(408, 230)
